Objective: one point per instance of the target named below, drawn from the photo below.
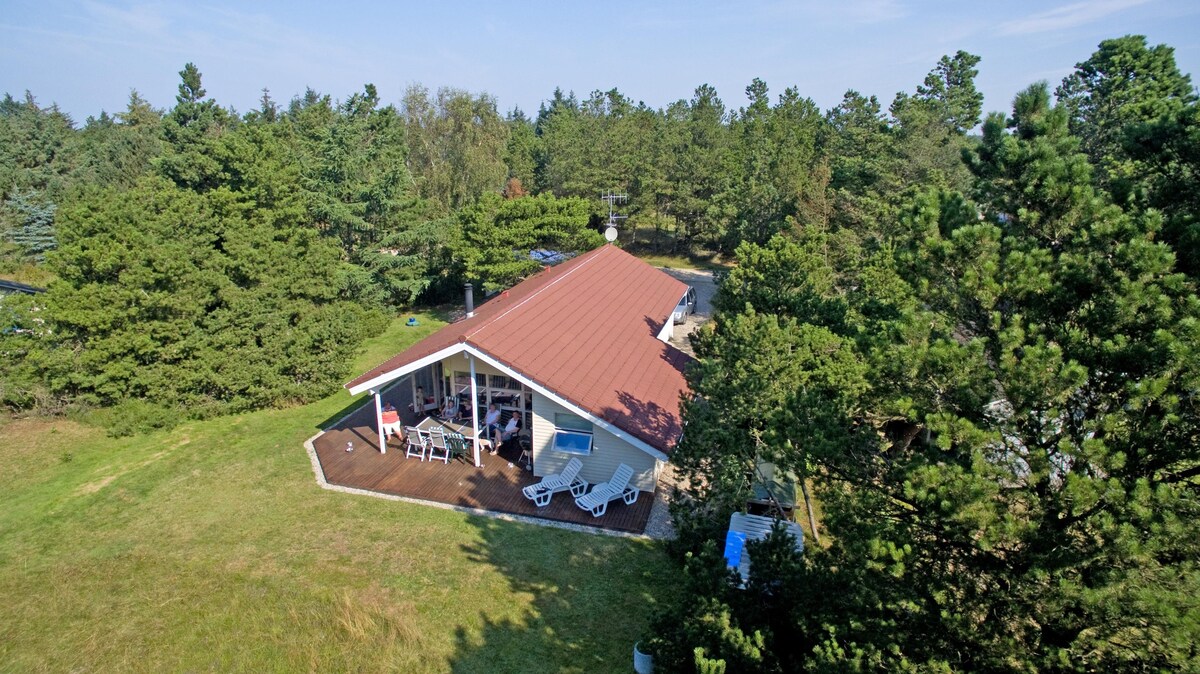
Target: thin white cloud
(1067, 16)
(68, 38)
(141, 43)
(205, 33)
(146, 19)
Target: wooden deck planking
(495, 487)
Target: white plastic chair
(617, 488)
(416, 442)
(550, 485)
(439, 449)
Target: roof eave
(384, 377)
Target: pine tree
(1124, 84)
(497, 234)
(191, 133)
(33, 228)
(160, 284)
(997, 402)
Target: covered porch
(495, 486)
(423, 387)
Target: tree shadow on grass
(590, 598)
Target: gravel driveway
(702, 281)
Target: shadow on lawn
(591, 599)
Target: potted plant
(643, 661)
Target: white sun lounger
(744, 528)
(617, 488)
(550, 485)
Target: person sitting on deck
(491, 426)
(511, 428)
(391, 421)
(449, 410)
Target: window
(572, 442)
(499, 381)
(571, 422)
(462, 381)
(572, 434)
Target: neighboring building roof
(549, 257)
(8, 287)
(586, 331)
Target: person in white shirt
(511, 428)
(491, 426)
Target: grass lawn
(29, 274)
(210, 548)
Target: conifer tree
(1001, 413)
(33, 224)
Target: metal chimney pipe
(470, 292)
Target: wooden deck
(495, 487)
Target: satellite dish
(610, 234)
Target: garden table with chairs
(439, 440)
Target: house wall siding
(460, 364)
(608, 451)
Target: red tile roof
(586, 330)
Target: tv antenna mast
(610, 231)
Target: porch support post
(379, 421)
(439, 383)
(474, 412)
(418, 406)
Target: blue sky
(86, 56)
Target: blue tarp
(735, 544)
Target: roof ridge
(582, 263)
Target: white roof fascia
(668, 329)
(574, 409)
(405, 369)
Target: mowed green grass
(210, 548)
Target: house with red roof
(579, 350)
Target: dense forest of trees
(170, 238)
(993, 390)
(978, 347)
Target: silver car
(687, 305)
